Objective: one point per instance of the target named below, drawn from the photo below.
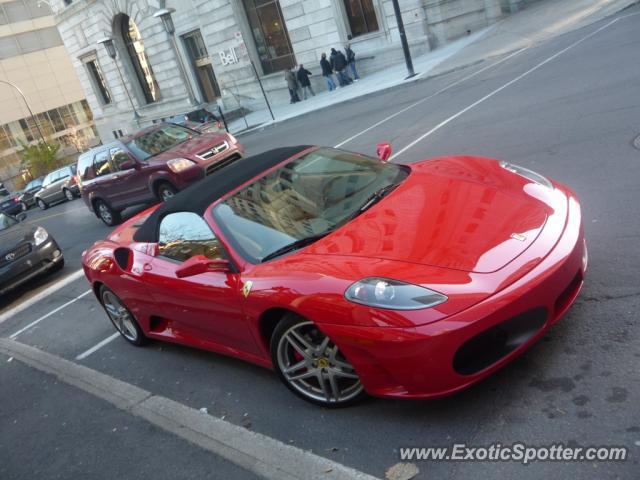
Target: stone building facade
(224, 45)
(34, 61)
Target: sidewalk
(538, 22)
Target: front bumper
(41, 259)
(206, 167)
(446, 356)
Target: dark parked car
(150, 165)
(26, 251)
(10, 204)
(201, 120)
(26, 198)
(59, 185)
(3, 190)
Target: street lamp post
(403, 39)
(33, 117)
(164, 14)
(111, 51)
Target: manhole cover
(636, 142)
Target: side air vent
(123, 258)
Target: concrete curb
(257, 453)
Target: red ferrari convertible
(347, 274)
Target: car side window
(48, 180)
(118, 157)
(63, 173)
(184, 235)
(101, 165)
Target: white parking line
(421, 101)
(499, 89)
(63, 282)
(97, 347)
(52, 312)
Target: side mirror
(128, 164)
(384, 151)
(21, 217)
(201, 264)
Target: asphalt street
(567, 108)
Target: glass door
(201, 64)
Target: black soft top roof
(197, 197)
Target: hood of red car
(189, 149)
(463, 213)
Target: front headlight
(40, 236)
(179, 164)
(526, 173)
(392, 294)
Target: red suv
(150, 165)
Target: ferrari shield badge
(246, 288)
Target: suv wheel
(68, 193)
(166, 191)
(24, 206)
(41, 204)
(107, 214)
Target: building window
(4, 139)
(361, 16)
(140, 62)
(201, 64)
(99, 85)
(270, 34)
(26, 129)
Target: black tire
(165, 191)
(132, 332)
(24, 206)
(333, 364)
(68, 194)
(108, 215)
(41, 204)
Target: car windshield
(6, 221)
(303, 200)
(159, 140)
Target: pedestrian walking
(351, 61)
(339, 63)
(303, 79)
(292, 84)
(327, 72)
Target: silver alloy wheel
(120, 316)
(41, 204)
(68, 194)
(23, 206)
(312, 364)
(105, 213)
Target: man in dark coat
(339, 63)
(303, 80)
(351, 61)
(327, 72)
(292, 84)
